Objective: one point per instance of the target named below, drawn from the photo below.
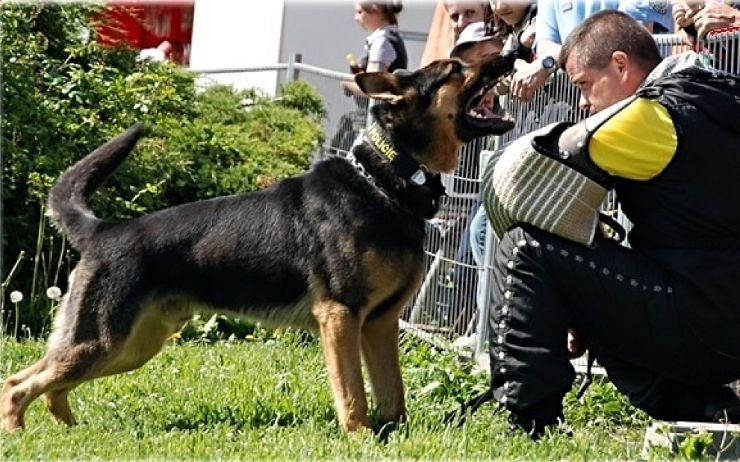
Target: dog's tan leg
(340, 331)
(58, 404)
(380, 351)
(55, 372)
(14, 400)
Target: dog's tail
(69, 200)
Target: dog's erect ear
(383, 86)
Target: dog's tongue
(483, 108)
(483, 111)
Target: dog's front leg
(380, 350)
(340, 339)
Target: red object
(146, 24)
(723, 30)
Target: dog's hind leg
(14, 402)
(55, 374)
(57, 403)
(339, 329)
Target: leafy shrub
(603, 405)
(440, 375)
(63, 95)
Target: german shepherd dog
(337, 249)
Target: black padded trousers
(624, 306)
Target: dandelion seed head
(54, 293)
(16, 296)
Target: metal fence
(445, 310)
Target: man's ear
(620, 60)
(382, 86)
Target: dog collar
(407, 167)
(380, 142)
(350, 157)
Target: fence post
(291, 74)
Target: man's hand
(527, 79)
(715, 15)
(526, 37)
(685, 10)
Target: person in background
(449, 19)
(655, 15)
(384, 47)
(514, 20)
(168, 50)
(473, 45)
(462, 13)
(384, 51)
(660, 316)
(556, 19)
(514, 23)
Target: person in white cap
(474, 45)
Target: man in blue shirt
(557, 18)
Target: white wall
(230, 34)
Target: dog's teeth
(478, 113)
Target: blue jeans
(478, 226)
(478, 229)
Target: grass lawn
(269, 399)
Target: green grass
(268, 399)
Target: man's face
(600, 88)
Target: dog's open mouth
(480, 111)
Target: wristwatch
(549, 64)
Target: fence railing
(445, 309)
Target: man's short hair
(603, 33)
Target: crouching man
(663, 316)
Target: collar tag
(380, 142)
(418, 177)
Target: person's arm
(529, 77)
(380, 53)
(351, 88)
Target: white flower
(16, 296)
(54, 293)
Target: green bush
(63, 95)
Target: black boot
(540, 417)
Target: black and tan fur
(329, 249)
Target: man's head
(607, 57)
(473, 44)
